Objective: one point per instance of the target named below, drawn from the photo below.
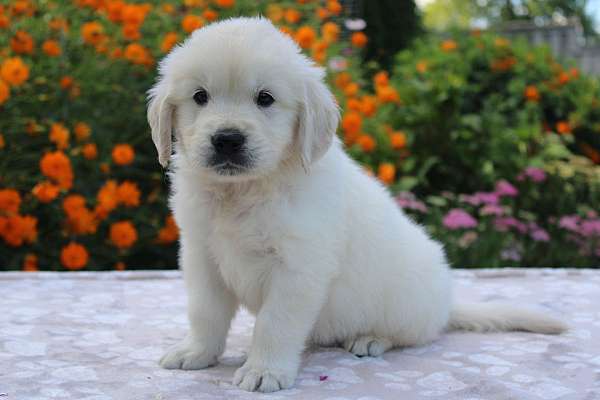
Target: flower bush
(80, 187)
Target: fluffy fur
(301, 237)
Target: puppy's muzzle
(228, 143)
(230, 154)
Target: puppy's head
(241, 99)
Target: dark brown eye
(201, 97)
(264, 99)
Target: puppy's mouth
(229, 166)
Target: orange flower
(387, 94)
(351, 122)
(51, 48)
(574, 72)
(120, 266)
(128, 194)
(274, 13)
(22, 43)
(531, 93)
(73, 204)
(170, 232)
(564, 78)
(381, 79)
(386, 172)
(353, 104)
(82, 131)
(503, 64)
(590, 152)
(397, 140)
(305, 36)
(4, 21)
(225, 3)
(138, 54)
(292, 16)
(114, 9)
(2, 142)
(334, 7)
(448, 45)
(82, 222)
(108, 198)
(74, 256)
(66, 82)
(368, 105)
(168, 8)
(359, 39)
(366, 143)
(131, 32)
(58, 24)
(563, 127)
(90, 151)
(422, 67)
(123, 234)
(30, 263)
(342, 80)
(170, 39)
(322, 13)
(4, 92)
(14, 71)
(210, 15)
(330, 32)
(92, 33)
(57, 166)
(134, 14)
(45, 191)
(10, 201)
(16, 229)
(190, 23)
(59, 135)
(123, 154)
(351, 89)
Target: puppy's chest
(246, 251)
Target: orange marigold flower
(368, 105)
(422, 67)
(123, 234)
(225, 3)
(448, 45)
(353, 104)
(531, 93)
(305, 36)
(90, 151)
(66, 82)
(16, 229)
(73, 204)
(107, 197)
(45, 191)
(190, 23)
(74, 256)
(342, 80)
(128, 194)
(58, 24)
(351, 89)
(28, 228)
(92, 33)
(564, 78)
(386, 173)
(590, 152)
(134, 14)
(574, 72)
(30, 263)
(210, 15)
(170, 39)
(138, 54)
(4, 21)
(4, 92)
(57, 166)
(59, 135)
(170, 232)
(123, 154)
(168, 8)
(14, 71)
(503, 64)
(51, 48)
(359, 39)
(381, 79)
(366, 143)
(82, 131)
(397, 140)
(387, 94)
(292, 16)
(2, 141)
(120, 266)
(22, 43)
(563, 127)
(274, 12)
(330, 31)
(334, 7)
(322, 13)
(131, 32)
(114, 9)
(10, 201)
(351, 122)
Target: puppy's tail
(494, 317)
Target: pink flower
(539, 235)
(407, 201)
(492, 209)
(503, 224)
(535, 174)
(569, 222)
(590, 228)
(481, 198)
(503, 188)
(467, 239)
(458, 218)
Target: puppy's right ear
(160, 118)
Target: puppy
(275, 217)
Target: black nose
(228, 142)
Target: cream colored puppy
(275, 216)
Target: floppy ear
(160, 118)
(317, 121)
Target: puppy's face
(241, 100)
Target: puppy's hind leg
(367, 345)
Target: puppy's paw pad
(262, 379)
(186, 355)
(367, 346)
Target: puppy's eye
(201, 97)
(264, 99)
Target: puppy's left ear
(318, 119)
(160, 118)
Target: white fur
(304, 239)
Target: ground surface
(97, 336)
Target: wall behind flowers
(492, 145)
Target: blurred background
(481, 116)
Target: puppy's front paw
(253, 377)
(187, 355)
